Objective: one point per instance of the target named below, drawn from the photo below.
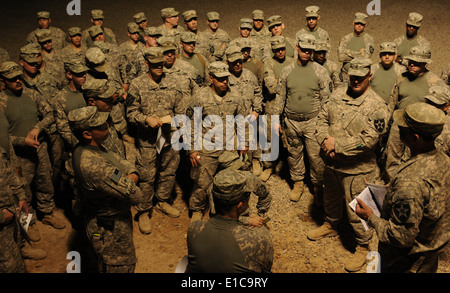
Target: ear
(87, 135)
(69, 75)
(318, 17)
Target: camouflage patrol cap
(321, 45)
(97, 14)
(312, 11)
(96, 59)
(73, 31)
(218, 69)
(167, 43)
(153, 31)
(274, 20)
(230, 160)
(258, 14)
(233, 53)
(30, 53)
(306, 41)
(230, 186)
(246, 23)
(95, 30)
(10, 70)
(102, 46)
(188, 37)
(388, 47)
(87, 117)
(43, 35)
(414, 19)
(213, 15)
(244, 43)
(419, 54)
(438, 95)
(75, 65)
(169, 12)
(359, 66)
(133, 27)
(43, 14)
(98, 88)
(422, 118)
(189, 14)
(154, 54)
(277, 42)
(139, 17)
(360, 18)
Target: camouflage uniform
(263, 34)
(139, 18)
(266, 49)
(253, 44)
(174, 32)
(318, 32)
(138, 60)
(223, 245)
(58, 35)
(51, 61)
(70, 51)
(105, 197)
(217, 42)
(415, 217)
(128, 48)
(86, 35)
(331, 66)
(201, 42)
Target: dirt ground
(161, 251)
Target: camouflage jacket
(272, 76)
(68, 53)
(249, 89)
(334, 72)
(442, 142)
(346, 55)
(59, 37)
(110, 37)
(319, 33)
(217, 44)
(186, 76)
(404, 45)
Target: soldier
(413, 227)
(222, 245)
(152, 34)
(276, 27)
(259, 31)
(245, 28)
(155, 97)
(255, 65)
(141, 20)
(320, 56)
(97, 19)
(312, 19)
(299, 101)
(44, 22)
(244, 81)
(191, 24)
(349, 127)
(170, 27)
(75, 48)
(439, 97)
(198, 61)
(215, 100)
(107, 190)
(411, 38)
(355, 44)
(218, 39)
(51, 57)
(130, 46)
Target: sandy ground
(161, 251)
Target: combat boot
(196, 216)
(358, 259)
(265, 175)
(326, 230)
(144, 223)
(33, 233)
(256, 167)
(168, 209)
(52, 220)
(297, 191)
(29, 252)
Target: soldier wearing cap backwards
(97, 19)
(75, 48)
(299, 101)
(349, 127)
(415, 218)
(197, 60)
(312, 18)
(141, 20)
(222, 245)
(215, 100)
(411, 38)
(218, 39)
(44, 22)
(320, 56)
(170, 27)
(191, 24)
(276, 28)
(355, 44)
(259, 31)
(156, 99)
(107, 189)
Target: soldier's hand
(23, 206)
(31, 142)
(254, 116)
(328, 145)
(153, 122)
(195, 159)
(8, 216)
(33, 134)
(133, 177)
(244, 150)
(277, 128)
(256, 221)
(362, 210)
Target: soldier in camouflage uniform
(440, 97)
(191, 24)
(130, 46)
(156, 96)
(299, 101)
(196, 60)
(152, 34)
(355, 44)
(51, 58)
(75, 48)
(312, 17)
(97, 19)
(245, 27)
(411, 38)
(216, 37)
(249, 62)
(44, 22)
(276, 28)
(141, 20)
(415, 217)
(222, 244)
(349, 126)
(107, 189)
(259, 31)
(170, 27)
(320, 56)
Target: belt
(301, 117)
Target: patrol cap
(96, 59)
(95, 30)
(414, 19)
(43, 35)
(360, 18)
(189, 14)
(218, 69)
(277, 42)
(388, 47)
(438, 95)
(274, 20)
(153, 31)
(139, 17)
(233, 53)
(75, 65)
(97, 14)
(230, 160)
(133, 27)
(43, 14)
(258, 14)
(246, 23)
(167, 43)
(169, 12)
(9, 70)
(359, 66)
(306, 41)
(230, 186)
(188, 37)
(86, 117)
(97, 88)
(422, 118)
(102, 46)
(30, 53)
(73, 31)
(154, 54)
(321, 45)
(312, 11)
(212, 16)
(244, 43)
(419, 54)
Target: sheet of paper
(160, 140)
(25, 220)
(368, 196)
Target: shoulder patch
(402, 211)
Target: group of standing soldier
(100, 116)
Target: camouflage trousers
(396, 151)
(300, 138)
(340, 189)
(157, 174)
(10, 257)
(112, 241)
(56, 154)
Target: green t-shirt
(22, 114)
(383, 81)
(75, 100)
(405, 47)
(302, 85)
(414, 91)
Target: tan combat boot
(29, 252)
(52, 220)
(144, 223)
(256, 167)
(297, 191)
(265, 175)
(169, 210)
(33, 233)
(358, 259)
(326, 230)
(196, 216)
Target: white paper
(160, 140)
(25, 220)
(373, 196)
